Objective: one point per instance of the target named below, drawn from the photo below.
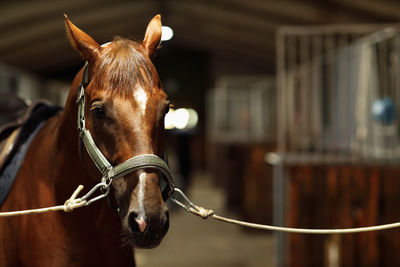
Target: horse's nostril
(135, 223)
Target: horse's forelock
(122, 67)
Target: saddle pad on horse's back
(15, 138)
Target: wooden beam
(231, 36)
(22, 12)
(218, 48)
(221, 15)
(385, 11)
(282, 12)
(54, 27)
(360, 29)
(33, 49)
(286, 12)
(40, 56)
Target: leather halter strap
(109, 172)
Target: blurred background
(285, 112)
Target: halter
(109, 172)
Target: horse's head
(124, 112)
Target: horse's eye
(99, 112)
(167, 107)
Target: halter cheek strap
(109, 172)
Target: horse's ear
(81, 41)
(152, 36)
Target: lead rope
(207, 213)
(73, 203)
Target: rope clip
(105, 189)
(190, 206)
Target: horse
(124, 109)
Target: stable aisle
(192, 241)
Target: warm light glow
(182, 119)
(193, 118)
(169, 120)
(166, 33)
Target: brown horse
(125, 109)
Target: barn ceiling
(32, 33)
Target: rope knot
(202, 212)
(68, 205)
(72, 203)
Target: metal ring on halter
(100, 186)
(187, 206)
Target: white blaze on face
(141, 98)
(142, 185)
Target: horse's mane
(122, 67)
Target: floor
(192, 241)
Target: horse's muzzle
(147, 232)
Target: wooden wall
(342, 197)
(241, 171)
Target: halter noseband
(109, 172)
